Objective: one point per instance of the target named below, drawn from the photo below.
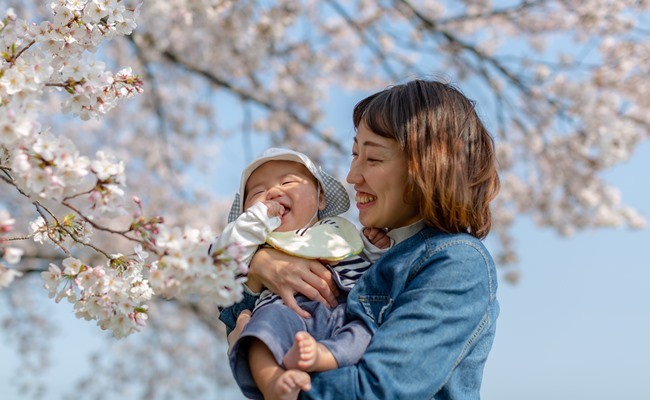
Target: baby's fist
(378, 237)
(275, 209)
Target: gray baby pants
(276, 325)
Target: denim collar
(402, 233)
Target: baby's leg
(307, 354)
(272, 380)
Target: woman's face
(379, 175)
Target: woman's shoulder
(454, 255)
(437, 239)
(433, 243)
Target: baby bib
(331, 239)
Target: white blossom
(12, 255)
(39, 230)
(7, 276)
(106, 168)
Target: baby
(293, 206)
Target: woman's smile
(364, 199)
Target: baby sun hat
(336, 198)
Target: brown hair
(451, 161)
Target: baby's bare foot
(288, 385)
(304, 353)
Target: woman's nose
(354, 175)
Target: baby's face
(290, 184)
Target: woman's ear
(321, 201)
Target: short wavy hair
(451, 158)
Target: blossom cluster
(114, 295)
(107, 197)
(186, 270)
(49, 166)
(8, 255)
(58, 54)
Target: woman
(424, 169)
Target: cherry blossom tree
(98, 168)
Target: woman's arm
(431, 332)
(287, 275)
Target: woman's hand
(287, 275)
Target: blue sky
(575, 327)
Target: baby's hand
(378, 237)
(275, 209)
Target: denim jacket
(431, 305)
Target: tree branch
(365, 39)
(246, 96)
(504, 12)
(511, 77)
(159, 110)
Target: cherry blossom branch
(156, 99)
(434, 27)
(503, 12)
(11, 59)
(136, 227)
(245, 95)
(18, 238)
(40, 208)
(94, 224)
(361, 33)
(510, 76)
(49, 166)
(50, 232)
